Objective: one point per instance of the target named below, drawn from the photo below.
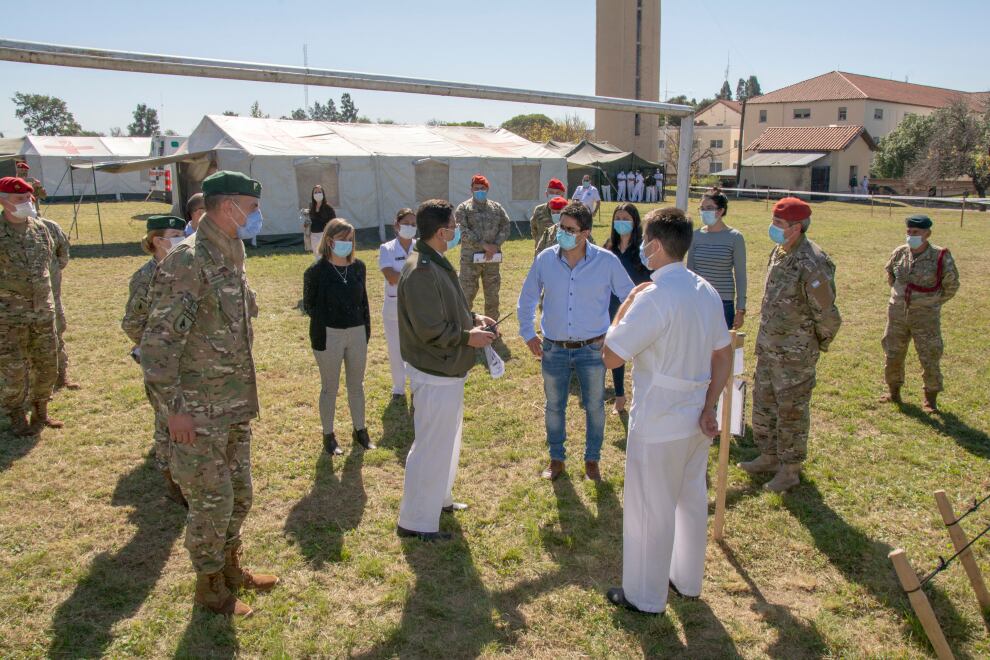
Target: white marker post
(736, 340)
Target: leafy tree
(348, 111)
(439, 122)
(959, 146)
(741, 90)
(145, 122)
(231, 113)
(299, 115)
(116, 131)
(385, 121)
(570, 129)
(536, 127)
(169, 132)
(902, 147)
(752, 87)
(45, 115)
(328, 112)
(256, 111)
(725, 93)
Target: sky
(516, 43)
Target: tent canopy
(601, 160)
(51, 156)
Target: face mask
(776, 234)
(709, 217)
(642, 254)
(480, 195)
(189, 231)
(342, 248)
(623, 227)
(175, 240)
(452, 243)
(914, 242)
(556, 218)
(566, 241)
(252, 224)
(407, 231)
(25, 210)
(586, 183)
(318, 197)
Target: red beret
(14, 185)
(791, 209)
(479, 179)
(555, 184)
(557, 204)
(21, 165)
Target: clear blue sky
(530, 44)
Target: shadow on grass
(319, 521)
(208, 635)
(397, 428)
(118, 583)
(110, 250)
(14, 448)
(972, 440)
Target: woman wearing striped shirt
(718, 254)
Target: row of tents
(368, 171)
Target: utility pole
(305, 87)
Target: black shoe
(456, 506)
(399, 398)
(361, 437)
(677, 591)
(330, 445)
(617, 597)
(404, 533)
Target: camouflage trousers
(63, 356)
(491, 282)
(214, 474)
(28, 366)
(924, 325)
(162, 441)
(781, 407)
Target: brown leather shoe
(235, 577)
(931, 402)
(213, 594)
(591, 471)
(20, 425)
(40, 418)
(555, 469)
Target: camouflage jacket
(196, 347)
(60, 256)
(539, 221)
(138, 303)
(26, 253)
(481, 223)
(905, 267)
(549, 239)
(798, 317)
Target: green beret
(919, 221)
(165, 222)
(230, 183)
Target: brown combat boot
(760, 464)
(63, 382)
(893, 396)
(19, 425)
(236, 577)
(40, 418)
(213, 594)
(172, 490)
(931, 402)
(787, 477)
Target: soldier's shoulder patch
(184, 321)
(141, 305)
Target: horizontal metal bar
(94, 58)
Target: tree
(959, 146)
(902, 147)
(45, 115)
(328, 112)
(725, 93)
(299, 115)
(116, 131)
(741, 90)
(752, 87)
(145, 122)
(256, 111)
(231, 113)
(169, 132)
(348, 111)
(439, 122)
(535, 127)
(672, 154)
(569, 129)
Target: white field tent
(368, 171)
(49, 157)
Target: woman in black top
(624, 243)
(320, 213)
(336, 300)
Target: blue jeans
(729, 308)
(558, 363)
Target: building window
(735, 144)
(637, 124)
(842, 114)
(878, 113)
(763, 116)
(662, 145)
(802, 113)
(715, 144)
(696, 144)
(714, 166)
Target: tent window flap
(526, 182)
(432, 180)
(312, 173)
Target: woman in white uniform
(391, 258)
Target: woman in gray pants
(336, 300)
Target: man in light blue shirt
(576, 280)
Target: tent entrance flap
(313, 172)
(432, 180)
(526, 182)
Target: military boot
(236, 577)
(40, 418)
(787, 477)
(213, 594)
(893, 396)
(760, 464)
(931, 402)
(19, 424)
(172, 490)
(64, 382)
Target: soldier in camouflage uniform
(484, 227)
(60, 259)
(543, 216)
(199, 371)
(798, 320)
(39, 190)
(922, 276)
(28, 364)
(548, 234)
(164, 233)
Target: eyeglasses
(569, 230)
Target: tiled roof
(735, 106)
(809, 138)
(840, 86)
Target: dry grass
(92, 563)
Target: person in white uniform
(658, 176)
(673, 330)
(640, 184)
(392, 257)
(620, 187)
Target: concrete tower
(627, 65)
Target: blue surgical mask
(480, 195)
(642, 254)
(914, 242)
(565, 240)
(776, 234)
(342, 248)
(252, 224)
(556, 218)
(452, 243)
(709, 217)
(586, 183)
(623, 227)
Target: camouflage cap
(165, 222)
(230, 183)
(918, 221)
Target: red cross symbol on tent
(70, 148)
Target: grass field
(91, 555)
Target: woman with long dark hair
(718, 254)
(320, 213)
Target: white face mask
(407, 231)
(318, 197)
(175, 240)
(25, 210)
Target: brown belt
(575, 344)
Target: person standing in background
(718, 254)
(195, 208)
(542, 216)
(621, 186)
(392, 256)
(320, 213)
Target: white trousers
(637, 195)
(651, 194)
(431, 465)
(664, 521)
(621, 194)
(606, 193)
(390, 321)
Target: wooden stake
(959, 541)
(962, 211)
(920, 604)
(725, 438)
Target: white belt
(678, 384)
